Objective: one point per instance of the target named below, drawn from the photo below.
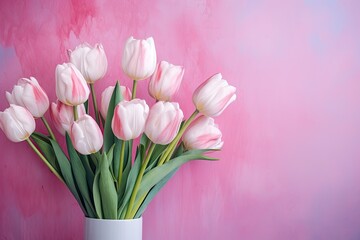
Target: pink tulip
(86, 135)
(166, 80)
(106, 96)
(71, 87)
(90, 61)
(28, 94)
(129, 119)
(164, 122)
(139, 58)
(203, 133)
(17, 123)
(213, 96)
(62, 115)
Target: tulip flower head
(29, 94)
(17, 123)
(213, 96)
(166, 80)
(86, 135)
(129, 119)
(71, 87)
(90, 61)
(62, 115)
(203, 133)
(139, 58)
(164, 122)
(106, 96)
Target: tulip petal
(86, 135)
(129, 119)
(139, 58)
(213, 96)
(17, 123)
(163, 122)
(203, 133)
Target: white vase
(105, 229)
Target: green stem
(138, 204)
(133, 94)
(167, 155)
(138, 181)
(121, 163)
(45, 160)
(48, 128)
(93, 95)
(75, 113)
(171, 148)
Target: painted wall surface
(290, 166)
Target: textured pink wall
(290, 167)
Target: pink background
(290, 167)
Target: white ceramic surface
(104, 229)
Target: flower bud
(139, 58)
(86, 135)
(29, 94)
(166, 80)
(129, 119)
(203, 133)
(213, 96)
(62, 115)
(106, 96)
(163, 122)
(17, 123)
(71, 87)
(90, 61)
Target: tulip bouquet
(98, 166)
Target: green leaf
(145, 141)
(116, 157)
(79, 173)
(107, 190)
(86, 105)
(131, 181)
(43, 143)
(153, 192)
(159, 149)
(126, 170)
(179, 150)
(110, 155)
(94, 162)
(66, 172)
(155, 175)
(89, 172)
(109, 137)
(96, 195)
(110, 158)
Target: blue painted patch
(336, 11)
(317, 44)
(5, 53)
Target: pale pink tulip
(71, 87)
(90, 61)
(86, 135)
(203, 133)
(213, 96)
(139, 58)
(29, 94)
(163, 122)
(166, 80)
(129, 119)
(17, 123)
(106, 96)
(62, 115)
